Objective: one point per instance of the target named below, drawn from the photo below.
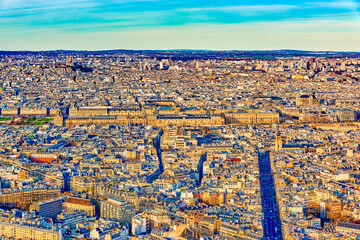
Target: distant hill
(189, 54)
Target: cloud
(39, 4)
(35, 4)
(246, 9)
(346, 4)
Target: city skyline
(157, 24)
(179, 144)
(179, 119)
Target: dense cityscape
(179, 145)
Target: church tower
(278, 142)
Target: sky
(317, 25)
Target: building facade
(117, 210)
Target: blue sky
(176, 24)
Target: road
(200, 167)
(270, 208)
(157, 145)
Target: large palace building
(162, 116)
